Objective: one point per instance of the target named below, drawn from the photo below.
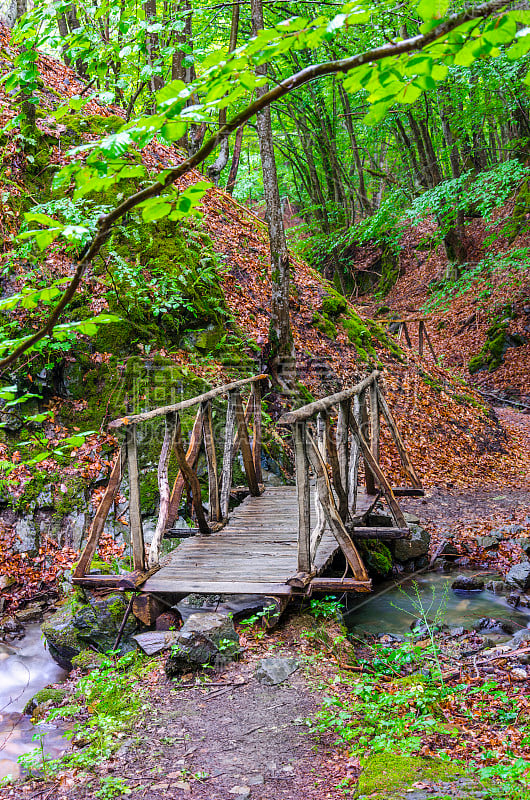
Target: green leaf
(521, 46)
(155, 210)
(44, 219)
(432, 9)
(500, 31)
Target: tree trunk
(232, 176)
(153, 48)
(215, 169)
(280, 336)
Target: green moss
(498, 340)
(386, 776)
(49, 695)
(376, 555)
(87, 660)
(333, 304)
(324, 325)
(389, 272)
(304, 393)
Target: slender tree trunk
(280, 336)
(236, 155)
(153, 48)
(363, 195)
(215, 169)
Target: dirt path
(234, 741)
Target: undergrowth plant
(105, 703)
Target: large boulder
(205, 638)
(415, 547)
(467, 583)
(99, 621)
(95, 624)
(519, 576)
(62, 637)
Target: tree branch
(286, 86)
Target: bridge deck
(255, 553)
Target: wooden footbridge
(278, 541)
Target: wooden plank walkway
(255, 553)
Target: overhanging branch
(286, 86)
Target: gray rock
(497, 587)
(153, 642)
(203, 639)
(519, 576)
(487, 542)
(495, 625)
(415, 547)
(457, 631)
(62, 637)
(523, 543)
(467, 583)
(411, 517)
(519, 638)
(96, 624)
(30, 612)
(45, 499)
(498, 533)
(78, 530)
(28, 539)
(271, 671)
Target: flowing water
(393, 610)
(25, 667)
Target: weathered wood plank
(192, 455)
(228, 455)
(256, 431)
(244, 444)
(211, 460)
(135, 515)
(379, 533)
(342, 439)
(339, 585)
(177, 407)
(98, 523)
(376, 470)
(326, 404)
(369, 477)
(163, 489)
(190, 476)
(400, 445)
(332, 515)
(303, 497)
(374, 421)
(333, 460)
(217, 587)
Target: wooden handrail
(176, 407)
(326, 403)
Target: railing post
(211, 459)
(256, 439)
(374, 421)
(135, 515)
(303, 492)
(365, 426)
(163, 488)
(353, 466)
(190, 476)
(244, 444)
(228, 454)
(343, 427)
(420, 338)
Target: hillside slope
(194, 303)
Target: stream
(25, 668)
(393, 608)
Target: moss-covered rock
(498, 340)
(376, 556)
(87, 660)
(51, 696)
(333, 304)
(389, 272)
(387, 776)
(324, 325)
(62, 636)
(95, 624)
